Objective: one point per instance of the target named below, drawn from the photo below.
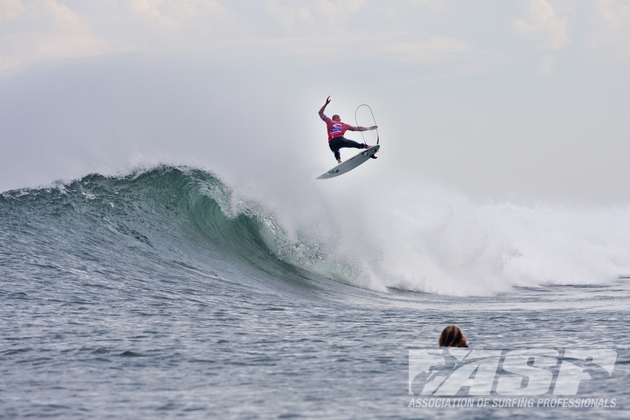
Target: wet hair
(336, 117)
(452, 337)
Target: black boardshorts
(339, 142)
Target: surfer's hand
(323, 108)
(374, 127)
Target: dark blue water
(156, 295)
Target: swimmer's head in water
(452, 337)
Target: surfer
(336, 129)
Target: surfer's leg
(340, 142)
(336, 144)
(353, 144)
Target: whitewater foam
(423, 238)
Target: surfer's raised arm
(321, 111)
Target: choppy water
(161, 294)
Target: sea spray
(420, 237)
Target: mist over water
(255, 123)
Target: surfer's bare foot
(338, 161)
(367, 146)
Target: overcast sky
(519, 100)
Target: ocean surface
(168, 293)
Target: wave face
(149, 224)
(167, 220)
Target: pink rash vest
(336, 128)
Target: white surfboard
(351, 163)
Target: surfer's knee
(452, 336)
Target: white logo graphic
(464, 372)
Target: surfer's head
(452, 337)
(336, 118)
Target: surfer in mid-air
(336, 130)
